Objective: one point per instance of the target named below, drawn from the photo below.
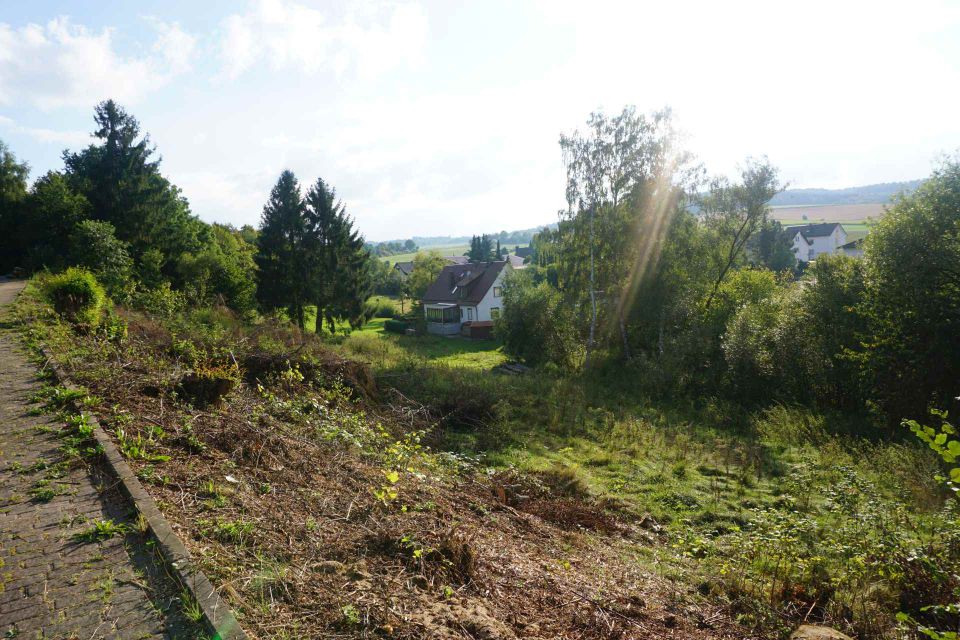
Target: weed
(101, 530)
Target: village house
(812, 240)
(466, 299)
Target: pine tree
(340, 280)
(284, 269)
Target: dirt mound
(450, 620)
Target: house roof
(463, 283)
(856, 244)
(516, 261)
(457, 259)
(818, 230)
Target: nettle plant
(943, 440)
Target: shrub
(536, 325)
(76, 295)
(395, 326)
(161, 300)
(384, 309)
(95, 246)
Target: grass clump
(77, 296)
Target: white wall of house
(482, 310)
(855, 251)
(820, 245)
(800, 248)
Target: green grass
(374, 344)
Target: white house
(466, 298)
(812, 240)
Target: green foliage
(76, 295)
(427, 266)
(162, 300)
(481, 249)
(912, 299)
(94, 246)
(13, 192)
(101, 530)
(536, 324)
(395, 326)
(221, 272)
(339, 264)
(51, 215)
(120, 177)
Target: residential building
(465, 296)
(812, 240)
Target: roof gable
(817, 230)
(464, 283)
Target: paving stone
(50, 590)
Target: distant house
(853, 249)
(466, 298)
(812, 240)
(406, 268)
(523, 252)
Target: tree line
(685, 282)
(111, 211)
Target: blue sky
(441, 117)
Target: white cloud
(62, 64)
(49, 136)
(293, 36)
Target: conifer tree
(340, 280)
(282, 258)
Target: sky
(440, 117)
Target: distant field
(445, 250)
(853, 213)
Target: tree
(222, 272)
(339, 269)
(912, 299)
(427, 266)
(536, 325)
(13, 192)
(625, 179)
(95, 246)
(481, 249)
(736, 211)
(120, 177)
(51, 214)
(284, 271)
(772, 248)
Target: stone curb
(217, 614)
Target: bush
(95, 246)
(395, 326)
(160, 301)
(384, 309)
(536, 325)
(76, 295)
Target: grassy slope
(770, 517)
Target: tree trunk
(623, 338)
(318, 322)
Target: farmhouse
(811, 240)
(465, 298)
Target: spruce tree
(340, 280)
(282, 251)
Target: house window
(469, 314)
(497, 292)
(494, 313)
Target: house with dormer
(812, 240)
(466, 298)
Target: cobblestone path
(55, 582)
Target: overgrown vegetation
(709, 440)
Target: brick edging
(217, 614)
